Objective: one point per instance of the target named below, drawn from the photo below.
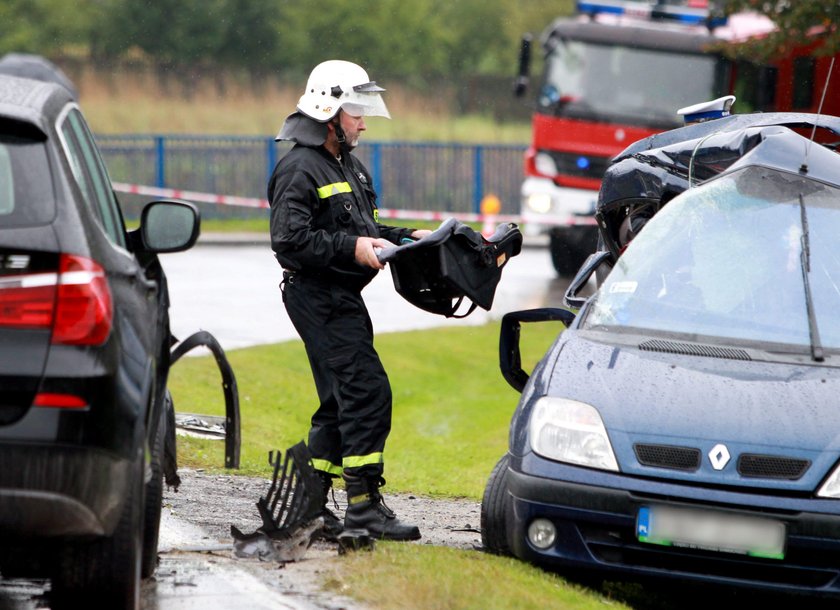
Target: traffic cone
(490, 206)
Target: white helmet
(337, 84)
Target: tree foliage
(418, 41)
(42, 26)
(797, 21)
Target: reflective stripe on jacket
(319, 207)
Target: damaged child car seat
(454, 262)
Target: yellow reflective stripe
(327, 466)
(333, 189)
(354, 461)
(358, 499)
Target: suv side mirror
(589, 266)
(169, 225)
(510, 358)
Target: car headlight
(539, 203)
(831, 488)
(571, 431)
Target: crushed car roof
(663, 165)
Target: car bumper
(596, 529)
(55, 491)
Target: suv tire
(153, 502)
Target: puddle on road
(197, 572)
(179, 535)
(186, 581)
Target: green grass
(451, 405)
(439, 578)
(235, 225)
(452, 410)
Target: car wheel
(153, 502)
(569, 248)
(495, 507)
(105, 573)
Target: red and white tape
(434, 216)
(153, 191)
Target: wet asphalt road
(232, 292)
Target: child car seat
(437, 272)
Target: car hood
(674, 400)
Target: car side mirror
(589, 266)
(169, 225)
(510, 358)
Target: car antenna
(803, 169)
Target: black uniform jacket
(319, 207)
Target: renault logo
(719, 456)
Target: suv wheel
(495, 506)
(105, 573)
(153, 502)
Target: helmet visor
(364, 100)
(370, 87)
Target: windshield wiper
(817, 354)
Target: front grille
(667, 456)
(693, 349)
(772, 467)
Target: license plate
(710, 530)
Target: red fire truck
(618, 72)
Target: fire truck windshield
(612, 83)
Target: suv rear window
(26, 188)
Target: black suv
(84, 357)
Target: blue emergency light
(687, 12)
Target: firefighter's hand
(420, 233)
(366, 251)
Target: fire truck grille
(580, 166)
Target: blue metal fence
(407, 175)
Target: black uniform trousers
(354, 417)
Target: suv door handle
(138, 277)
(150, 286)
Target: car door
(138, 325)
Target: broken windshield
(619, 83)
(724, 260)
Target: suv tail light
(75, 302)
(27, 301)
(83, 309)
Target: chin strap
(339, 131)
(343, 147)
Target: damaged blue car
(685, 425)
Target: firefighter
(325, 233)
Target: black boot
(332, 524)
(366, 510)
